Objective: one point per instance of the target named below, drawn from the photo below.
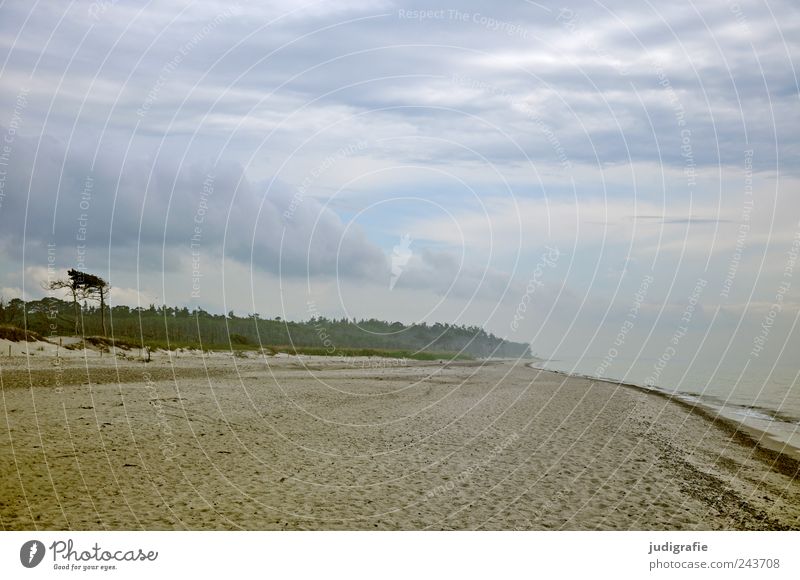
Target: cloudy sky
(553, 171)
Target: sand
(285, 443)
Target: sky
(600, 179)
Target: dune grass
(128, 343)
(16, 334)
(367, 352)
(237, 343)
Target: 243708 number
(758, 563)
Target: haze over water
(760, 394)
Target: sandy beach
(218, 442)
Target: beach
(213, 441)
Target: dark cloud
(155, 212)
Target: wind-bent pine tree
(82, 286)
(97, 289)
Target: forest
(169, 327)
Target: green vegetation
(385, 353)
(166, 327)
(17, 334)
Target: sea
(762, 396)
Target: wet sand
(280, 443)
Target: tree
(70, 284)
(98, 289)
(82, 286)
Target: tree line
(87, 313)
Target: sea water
(764, 396)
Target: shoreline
(781, 456)
(214, 442)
